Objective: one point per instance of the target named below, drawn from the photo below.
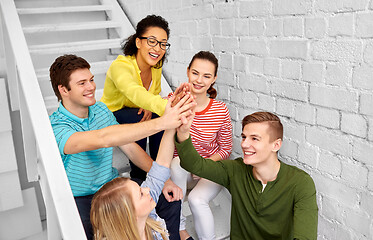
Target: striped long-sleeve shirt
(211, 130)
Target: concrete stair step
(96, 68)
(71, 27)
(26, 217)
(70, 9)
(63, 48)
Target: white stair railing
(42, 156)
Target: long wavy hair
(129, 45)
(113, 216)
(209, 56)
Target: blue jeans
(129, 115)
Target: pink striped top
(211, 131)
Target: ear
(63, 90)
(214, 79)
(138, 43)
(188, 71)
(277, 145)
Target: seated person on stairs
(211, 134)
(86, 131)
(122, 209)
(270, 199)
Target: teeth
(153, 55)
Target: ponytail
(212, 91)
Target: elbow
(105, 140)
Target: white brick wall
(309, 61)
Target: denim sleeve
(155, 180)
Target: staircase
(94, 30)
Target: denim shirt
(155, 180)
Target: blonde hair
(113, 216)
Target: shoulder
(58, 118)
(102, 111)
(236, 164)
(157, 71)
(100, 107)
(124, 63)
(219, 105)
(298, 177)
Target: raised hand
(180, 92)
(172, 116)
(183, 131)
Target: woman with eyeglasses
(131, 92)
(133, 81)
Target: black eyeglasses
(153, 42)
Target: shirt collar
(68, 114)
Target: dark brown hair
(276, 129)
(129, 45)
(206, 55)
(62, 68)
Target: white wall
(310, 62)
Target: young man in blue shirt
(86, 131)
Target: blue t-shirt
(86, 171)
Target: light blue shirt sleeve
(155, 180)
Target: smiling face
(257, 145)
(201, 75)
(81, 94)
(142, 202)
(148, 55)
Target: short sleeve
(62, 132)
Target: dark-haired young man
(270, 199)
(86, 131)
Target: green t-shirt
(286, 209)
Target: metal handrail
(62, 215)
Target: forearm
(112, 136)
(138, 156)
(191, 161)
(122, 134)
(166, 148)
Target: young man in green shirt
(270, 199)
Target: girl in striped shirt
(211, 134)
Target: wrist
(160, 124)
(182, 136)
